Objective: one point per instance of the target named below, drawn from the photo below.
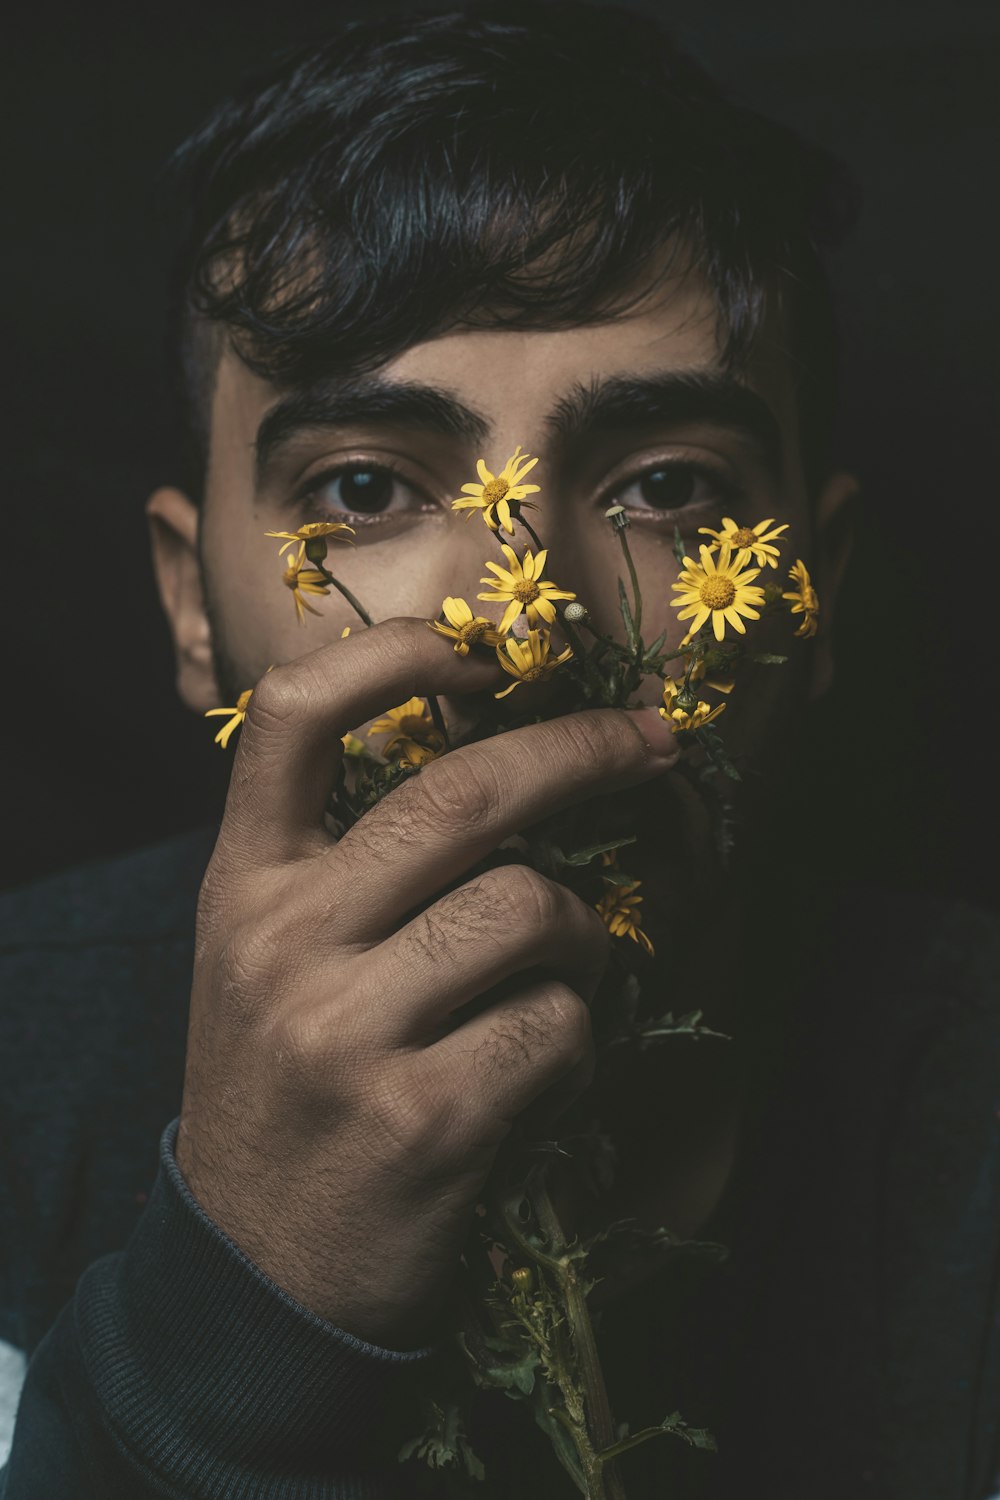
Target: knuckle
(459, 796)
(410, 1117)
(247, 967)
(532, 897)
(281, 697)
(569, 1024)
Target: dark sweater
(850, 1346)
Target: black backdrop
(100, 755)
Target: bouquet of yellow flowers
(520, 1321)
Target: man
(424, 242)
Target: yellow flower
(465, 628)
(690, 712)
(718, 588)
(239, 713)
(352, 745)
(520, 585)
(803, 597)
(310, 532)
(528, 661)
(619, 908)
(497, 492)
(754, 538)
(302, 580)
(413, 738)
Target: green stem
(606, 1484)
(636, 594)
(342, 588)
(531, 531)
(438, 718)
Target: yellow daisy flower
(465, 628)
(803, 597)
(619, 908)
(683, 709)
(718, 588)
(302, 580)
(239, 713)
(754, 539)
(352, 745)
(413, 738)
(519, 583)
(496, 493)
(310, 532)
(530, 660)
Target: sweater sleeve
(180, 1369)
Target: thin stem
(531, 531)
(636, 594)
(342, 588)
(602, 1427)
(438, 718)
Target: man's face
(392, 474)
(610, 414)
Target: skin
(322, 1086)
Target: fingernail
(655, 731)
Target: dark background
(100, 755)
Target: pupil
(366, 489)
(667, 488)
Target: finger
(498, 1064)
(290, 746)
(433, 828)
(502, 923)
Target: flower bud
(618, 517)
(686, 700)
(523, 1278)
(316, 548)
(576, 612)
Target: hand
(336, 1122)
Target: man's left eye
(360, 490)
(674, 486)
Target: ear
(173, 534)
(836, 509)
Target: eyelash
(728, 492)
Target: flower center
(526, 591)
(743, 537)
(495, 490)
(291, 575)
(717, 592)
(533, 674)
(473, 631)
(242, 701)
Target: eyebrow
(606, 404)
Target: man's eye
(360, 490)
(674, 486)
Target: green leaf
(649, 1032)
(444, 1445)
(679, 550)
(627, 620)
(715, 750)
(672, 1426)
(584, 856)
(768, 658)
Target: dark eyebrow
(605, 405)
(674, 396)
(373, 401)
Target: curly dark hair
(503, 165)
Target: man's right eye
(358, 491)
